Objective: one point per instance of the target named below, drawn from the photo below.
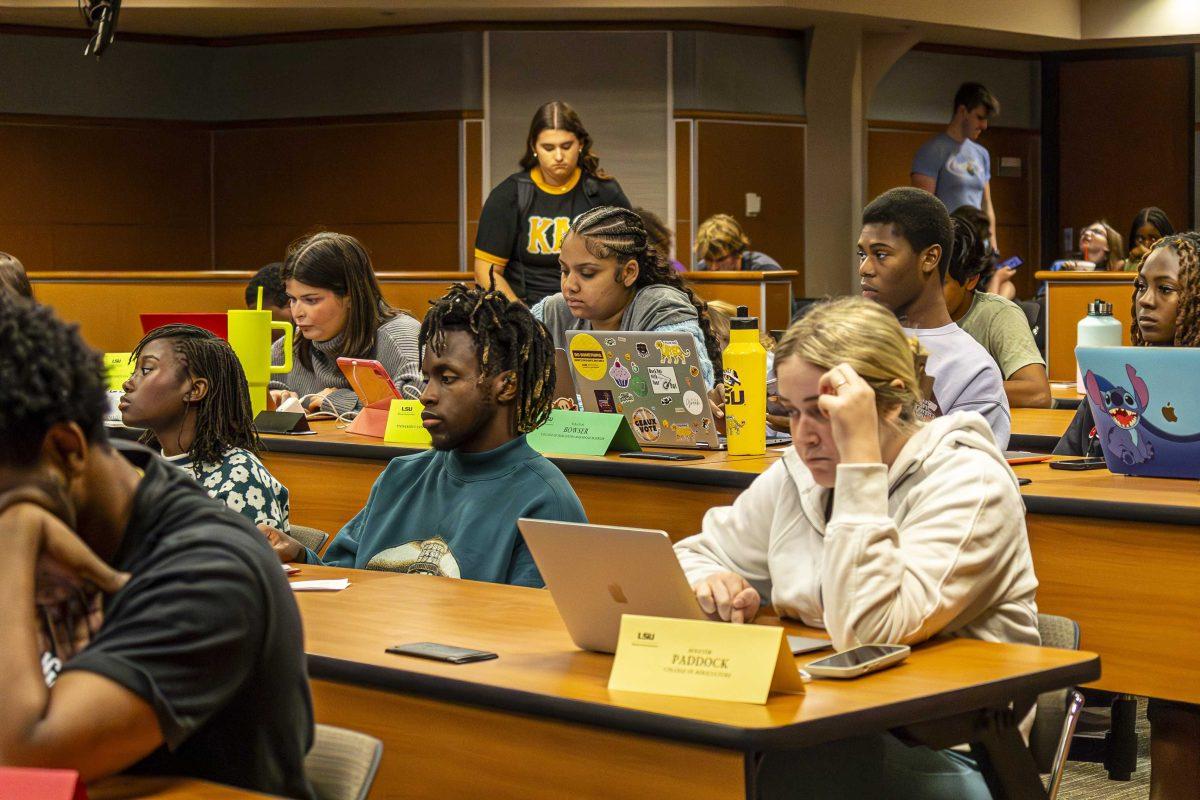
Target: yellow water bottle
(745, 363)
(250, 337)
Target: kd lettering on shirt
(546, 234)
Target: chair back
(342, 763)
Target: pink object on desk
(218, 323)
(20, 783)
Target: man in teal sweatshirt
(453, 510)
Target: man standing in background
(952, 165)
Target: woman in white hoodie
(874, 527)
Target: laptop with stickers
(653, 378)
(1143, 402)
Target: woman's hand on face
(849, 403)
(728, 595)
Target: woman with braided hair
(614, 280)
(189, 392)
(453, 510)
(1165, 313)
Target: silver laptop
(654, 379)
(596, 573)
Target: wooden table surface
(544, 696)
(1038, 429)
(1064, 395)
(128, 787)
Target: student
(1150, 225)
(187, 657)
(995, 322)
(613, 280)
(339, 310)
(903, 254)
(1102, 248)
(874, 527)
(1166, 313)
(952, 165)
(13, 277)
(524, 219)
(189, 392)
(453, 510)
(721, 244)
(660, 236)
(275, 299)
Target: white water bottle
(1098, 329)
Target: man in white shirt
(903, 252)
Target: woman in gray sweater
(339, 311)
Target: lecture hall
(623, 399)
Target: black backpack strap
(525, 190)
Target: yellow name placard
(709, 660)
(404, 424)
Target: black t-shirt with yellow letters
(526, 241)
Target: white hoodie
(934, 546)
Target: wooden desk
(1091, 532)
(768, 295)
(1064, 395)
(329, 477)
(1038, 429)
(1067, 298)
(539, 721)
(107, 304)
(127, 787)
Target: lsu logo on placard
(546, 234)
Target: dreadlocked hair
(1187, 318)
(223, 416)
(612, 231)
(507, 338)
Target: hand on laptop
(728, 596)
(287, 548)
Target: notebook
(1146, 405)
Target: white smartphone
(858, 661)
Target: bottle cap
(743, 322)
(1099, 308)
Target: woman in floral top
(189, 391)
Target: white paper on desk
(331, 585)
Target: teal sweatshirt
(455, 514)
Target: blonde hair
(718, 236)
(719, 314)
(865, 335)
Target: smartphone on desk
(1078, 464)
(664, 456)
(858, 661)
(441, 652)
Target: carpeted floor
(1087, 781)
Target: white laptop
(596, 573)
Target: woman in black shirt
(525, 218)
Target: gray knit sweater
(395, 348)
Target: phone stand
(281, 422)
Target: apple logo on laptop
(1169, 413)
(614, 589)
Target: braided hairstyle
(507, 337)
(1187, 318)
(612, 231)
(48, 375)
(223, 415)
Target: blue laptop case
(1146, 405)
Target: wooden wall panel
(393, 184)
(890, 151)
(85, 195)
(473, 178)
(683, 192)
(1141, 156)
(733, 158)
